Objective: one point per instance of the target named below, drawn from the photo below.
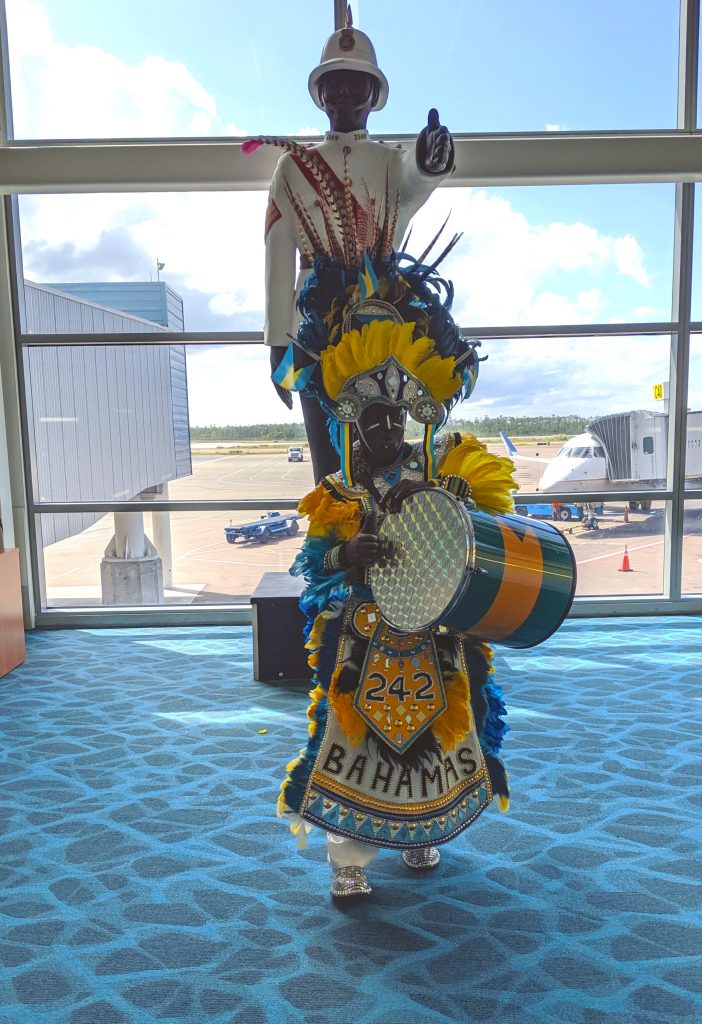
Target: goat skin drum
(501, 578)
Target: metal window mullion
(204, 505)
(688, 64)
(7, 132)
(490, 333)
(678, 386)
(551, 158)
(339, 14)
(148, 338)
(683, 240)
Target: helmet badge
(346, 39)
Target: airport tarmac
(206, 569)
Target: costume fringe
(352, 725)
(293, 787)
(457, 720)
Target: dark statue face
(381, 429)
(347, 98)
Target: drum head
(432, 541)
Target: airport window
(692, 548)
(566, 285)
(556, 255)
(84, 255)
(618, 550)
(140, 422)
(155, 71)
(486, 58)
(187, 558)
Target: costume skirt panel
(400, 762)
(404, 802)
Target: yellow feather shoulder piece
(490, 476)
(326, 513)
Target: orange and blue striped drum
(499, 578)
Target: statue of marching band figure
(348, 176)
(406, 725)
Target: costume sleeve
(331, 523)
(281, 250)
(489, 476)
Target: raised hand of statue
(277, 353)
(435, 150)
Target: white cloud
(552, 127)
(62, 91)
(506, 269)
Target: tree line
(482, 426)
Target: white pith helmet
(349, 50)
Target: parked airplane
(629, 447)
(579, 465)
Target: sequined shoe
(421, 859)
(350, 881)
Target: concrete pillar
(131, 572)
(161, 536)
(130, 540)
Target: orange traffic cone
(626, 514)
(625, 566)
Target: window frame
(51, 167)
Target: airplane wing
(513, 451)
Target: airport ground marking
(617, 553)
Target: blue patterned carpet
(145, 877)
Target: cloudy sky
(547, 255)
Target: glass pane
(555, 254)
(578, 411)
(136, 422)
(693, 460)
(187, 558)
(134, 263)
(692, 548)
(511, 66)
(222, 67)
(618, 549)
(221, 557)
(528, 256)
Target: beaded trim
(332, 559)
(457, 486)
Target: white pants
(346, 853)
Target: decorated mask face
(382, 432)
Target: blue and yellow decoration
(379, 335)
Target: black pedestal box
(279, 651)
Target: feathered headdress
(382, 335)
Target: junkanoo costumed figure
(405, 727)
(317, 192)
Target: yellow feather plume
(490, 476)
(360, 351)
(327, 514)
